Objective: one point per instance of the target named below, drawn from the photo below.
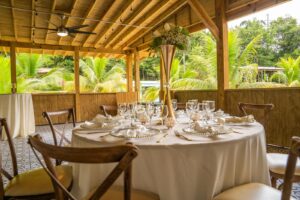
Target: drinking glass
(202, 111)
(174, 104)
(210, 108)
(190, 108)
(122, 108)
(150, 109)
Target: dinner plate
(195, 132)
(95, 126)
(239, 123)
(134, 133)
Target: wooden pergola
(123, 29)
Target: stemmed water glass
(190, 108)
(174, 104)
(202, 111)
(150, 110)
(210, 107)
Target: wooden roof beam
(119, 32)
(61, 47)
(52, 10)
(32, 20)
(68, 19)
(86, 15)
(110, 27)
(99, 23)
(207, 20)
(13, 19)
(158, 20)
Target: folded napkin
(203, 129)
(93, 125)
(245, 119)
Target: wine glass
(189, 108)
(210, 107)
(150, 109)
(174, 104)
(202, 110)
(122, 108)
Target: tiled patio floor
(26, 160)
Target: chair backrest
(67, 115)
(243, 107)
(3, 125)
(108, 110)
(290, 169)
(123, 155)
(181, 106)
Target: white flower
(156, 33)
(167, 27)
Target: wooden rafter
(119, 32)
(68, 19)
(50, 19)
(14, 19)
(158, 20)
(144, 21)
(61, 47)
(32, 20)
(207, 20)
(110, 27)
(111, 6)
(86, 14)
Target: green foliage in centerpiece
(171, 35)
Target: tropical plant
(96, 78)
(291, 69)
(5, 78)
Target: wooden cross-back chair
(107, 110)
(258, 191)
(32, 184)
(68, 115)
(276, 161)
(122, 155)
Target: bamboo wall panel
(282, 122)
(184, 96)
(51, 102)
(90, 104)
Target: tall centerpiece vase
(167, 55)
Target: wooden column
(222, 52)
(137, 73)
(129, 72)
(162, 81)
(13, 68)
(77, 83)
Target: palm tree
(291, 70)
(5, 79)
(95, 77)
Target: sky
(291, 8)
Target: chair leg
(273, 182)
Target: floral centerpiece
(166, 42)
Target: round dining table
(179, 169)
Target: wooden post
(222, 52)
(162, 81)
(129, 72)
(13, 68)
(137, 73)
(77, 84)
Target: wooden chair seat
(37, 182)
(277, 163)
(251, 191)
(117, 193)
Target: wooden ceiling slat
(87, 14)
(157, 21)
(68, 19)
(32, 21)
(50, 19)
(109, 26)
(116, 19)
(14, 19)
(139, 11)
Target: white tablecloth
(18, 111)
(177, 169)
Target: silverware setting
(161, 139)
(182, 136)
